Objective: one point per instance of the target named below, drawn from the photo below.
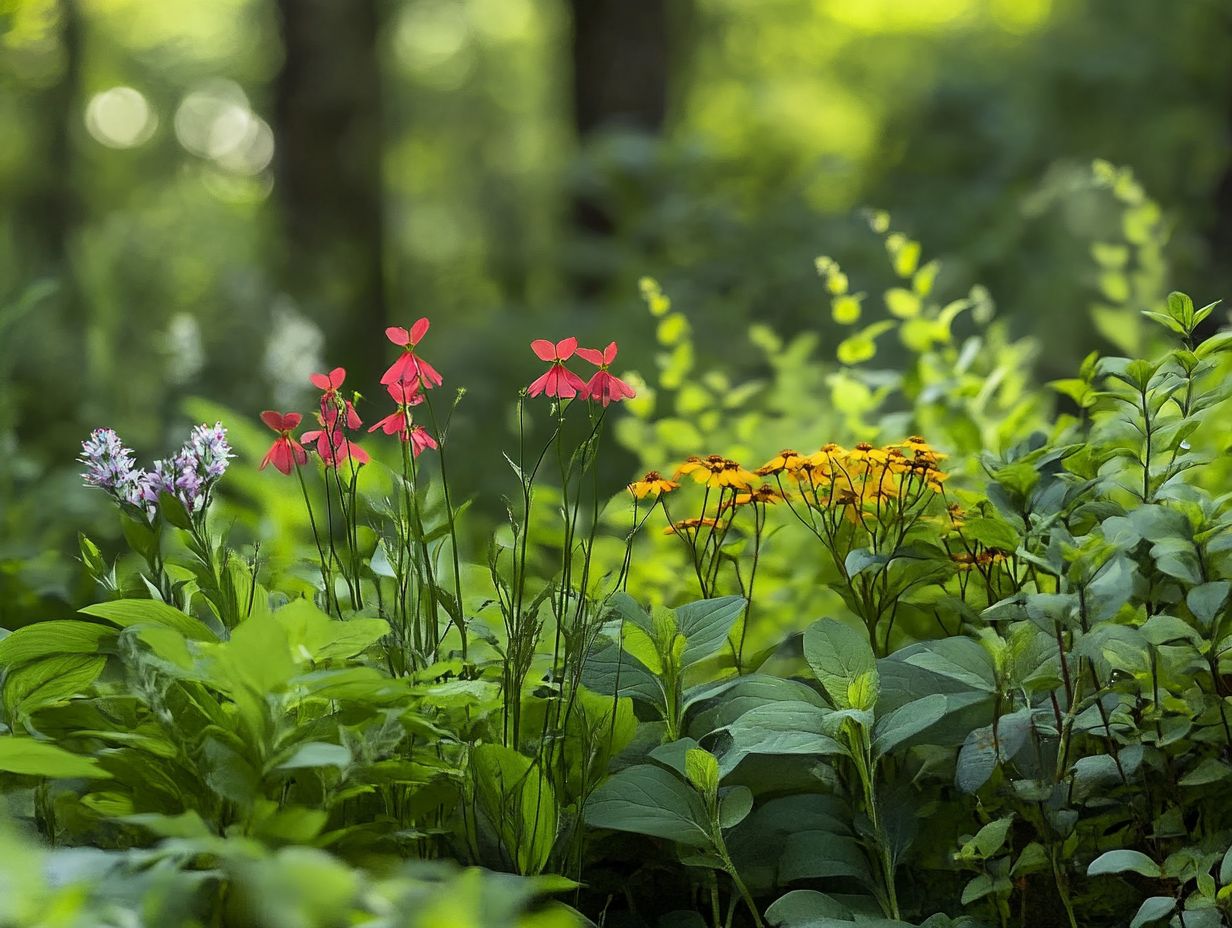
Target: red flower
(332, 444)
(420, 440)
(559, 381)
(410, 367)
(285, 452)
(400, 423)
(604, 386)
(331, 403)
(334, 447)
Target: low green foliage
(1015, 710)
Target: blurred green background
(213, 198)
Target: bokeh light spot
(120, 118)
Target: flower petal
(320, 381)
(336, 377)
(273, 420)
(398, 335)
(593, 355)
(565, 348)
(544, 350)
(540, 384)
(419, 330)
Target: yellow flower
(814, 469)
(700, 469)
(785, 460)
(763, 494)
(864, 452)
(654, 484)
(688, 525)
(734, 476)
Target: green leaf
(648, 800)
(701, 768)
(905, 722)
(1123, 861)
(1153, 909)
(988, 840)
(609, 667)
(1181, 308)
(50, 681)
(314, 635)
(977, 759)
(705, 625)
(57, 636)
(1210, 770)
(39, 759)
(1204, 601)
(129, 612)
(519, 802)
(317, 754)
(843, 661)
(806, 908)
(734, 806)
(790, 727)
(812, 855)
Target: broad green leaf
(907, 721)
(805, 908)
(49, 681)
(639, 645)
(519, 802)
(610, 669)
(811, 855)
(961, 659)
(841, 657)
(38, 758)
(734, 806)
(705, 625)
(57, 636)
(781, 728)
(312, 635)
(1153, 909)
(316, 754)
(1121, 862)
(127, 612)
(977, 759)
(1204, 601)
(649, 800)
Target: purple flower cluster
(189, 475)
(111, 467)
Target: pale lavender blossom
(189, 476)
(110, 466)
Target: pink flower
(400, 423)
(410, 367)
(336, 415)
(285, 452)
(421, 440)
(331, 403)
(604, 386)
(559, 381)
(334, 447)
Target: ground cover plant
(936, 655)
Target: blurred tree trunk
(620, 57)
(44, 217)
(328, 132)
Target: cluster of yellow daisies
(832, 476)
